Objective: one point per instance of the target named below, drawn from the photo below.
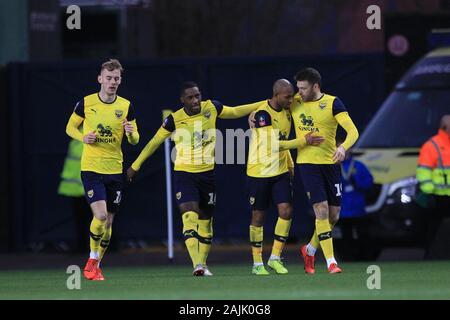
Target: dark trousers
(439, 210)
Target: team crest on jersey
(119, 113)
(178, 195)
(252, 200)
(322, 105)
(207, 114)
(90, 194)
(262, 121)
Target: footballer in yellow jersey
(268, 175)
(193, 129)
(320, 113)
(269, 170)
(105, 119)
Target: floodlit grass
(402, 280)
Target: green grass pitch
(401, 280)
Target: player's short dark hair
(111, 65)
(187, 85)
(309, 74)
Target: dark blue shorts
(263, 191)
(322, 182)
(106, 187)
(196, 187)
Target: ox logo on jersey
(207, 114)
(252, 200)
(178, 195)
(104, 131)
(322, 105)
(307, 120)
(90, 194)
(118, 113)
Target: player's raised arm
(225, 112)
(75, 121)
(164, 131)
(342, 117)
(130, 127)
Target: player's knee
(257, 218)
(101, 216)
(186, 207)
(285, 211)
(321, 210)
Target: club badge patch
(118, 113)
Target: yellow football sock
(314, 242)
(190, 219)
(324, 234)
(105, 242)
(281, 234)
(205, 234)
(96, 233)
(256, 240)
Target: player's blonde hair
(111, 65)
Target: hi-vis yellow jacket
(433, 170)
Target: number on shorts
(118, 198)
(212, 198)
(339, 189)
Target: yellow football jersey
(105, 155)
(264, 159)
(194, 137)
(317, 117)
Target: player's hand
(313, 140)
(127, 126)
(339, 155)
(251, 120)
(90, 138)
(131, 174)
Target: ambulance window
(406, 119)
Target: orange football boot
(309, 260)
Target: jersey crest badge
(322, 105)
(262, 121)
(119, 113)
